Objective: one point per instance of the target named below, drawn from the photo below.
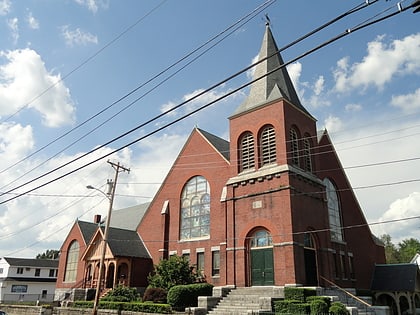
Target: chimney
(97, 218)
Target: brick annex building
(272, 207)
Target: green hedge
(326, 299)
(127, 306)
(182, 296)
(298, 294)
(291, 307)
(338, 308)
(318, 307)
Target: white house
(23, 279)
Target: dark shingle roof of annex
(395, 277)
(126, 243)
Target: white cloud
(409, 103)
(5, 6)
(14, 28)
(381, 64)
(15, 142)
(353, 107)
(24, 80)
(32, 22)
(333, 124)
(93, 5)
(77, 36)
(401, 213)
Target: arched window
(307, 158)
(72, 262)
(246, 152)
(294, 146)
(268, 146)
(261, 238)
(334, 212)
(195, 209)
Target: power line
(229, 30)
(185, 102)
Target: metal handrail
(347, 292)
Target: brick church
(271, 207)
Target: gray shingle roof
(128, 218)
(87, 229)
(125, 243)
(277, 84)
(220, 144)
(395, 277)
(29, 262)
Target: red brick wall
(74, 234)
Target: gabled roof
(128, 218)
(396, 277)
(275, 85)
(126, 243)
(220, 144)
(87, 229)
(30, 262)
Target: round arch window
(261, 238)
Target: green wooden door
(262, 266)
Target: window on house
(307, 158)
(37, 272)
(195, 209)
(246, 152)
(186, 256)
(334, 213)
(200, 263)
(294, 146)
(19, 288)
(44, 294)
(1, 271)
(268, 146)
(215, 263)
(52, 273)
(19, 271)
(72, 262)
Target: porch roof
(396, 277)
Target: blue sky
(62, 62)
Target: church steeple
(273, 86)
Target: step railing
(351, 295)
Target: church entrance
(311, 272)
(261, 258)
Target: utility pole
(111, 194)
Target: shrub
(318, 307)
(338, 308)
(121, 294)
(326, 299)
(155, 295)
(128, 306)
(170, 272)
(182, 296)
(298, 294)
(291, 307)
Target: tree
(49, 254)
(170, 272)
(407, 249)
(391, 251)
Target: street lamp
(110, 195)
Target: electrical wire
(229, 30)
(190, 100)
